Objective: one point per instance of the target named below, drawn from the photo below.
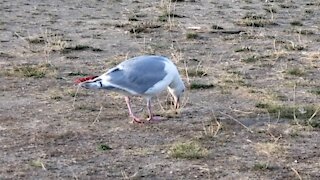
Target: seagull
(145, 76)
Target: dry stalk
(75, 96)
(234, 119)
(211, 131)
(296, 173)
(313, 115)
(97, 118)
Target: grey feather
(138, 74)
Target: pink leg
(151, 116)
(135, 118)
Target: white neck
(176, 82)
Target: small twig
(248, 129)
(204, 168)
(236, 110)
(273, 136)
(97, 118)
(74, 175)
(18, 35)
(43, 167)
(294, 106)
(186, 71)
(162, 108)
(296, 172)
(124, 175)
(218, 127)
(211, 130)
(185, 100)
(314, 114)
(75, 96)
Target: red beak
(80, 80)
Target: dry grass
(198, 85)
(296, 72)
(247, 61)
(140, 151)
(302, 112)
(269, 148)
(38, 164)
(28, 70)
(255, 20)
(212, 129)
(188, 150)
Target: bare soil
(247, 55)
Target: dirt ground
(251, 108)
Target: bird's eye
(97, 80)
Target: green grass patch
(260, 166)
(192, 35)
(294, 47)
(296, 23)
(188, 150)
(196, 73)
(250, 59)
(296, 72)
(56, 97)
(69, 49)
(302, 31)
(255, 21)
(104, 147)
(77, 74)
(35, 71)
(289, 111)
(165, 16)
(145, 27)
(37, 163)
(316, 91)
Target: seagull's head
(177, 93)
(95, 83)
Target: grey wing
(138, 74)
